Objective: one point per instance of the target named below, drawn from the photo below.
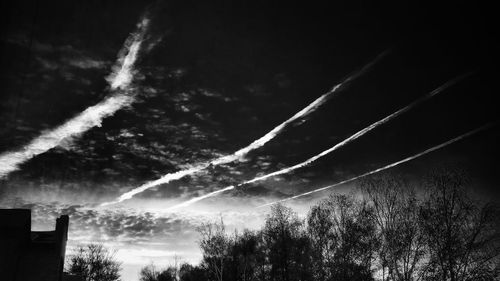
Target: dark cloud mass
(213, 76)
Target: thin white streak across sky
(333, 148)
(487, 126)
(255, 144)
(119, 81)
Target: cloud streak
(468, 134)
(333, 148)
(119, 80)
(255, 144)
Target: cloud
(86, 63)
(139, 234)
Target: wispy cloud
(141, 233)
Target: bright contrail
(335, 147)
(199, 198)
(254, 145)
(123, 72)
(387, 166)
(119, 79)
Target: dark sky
(224, 73)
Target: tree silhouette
(343, 238)
(395, 213)
(462, 237)
(94, 263)
(389, 233)
(151, 273)
(188, 272)
(215, 245)
(286, 246)
(244, 259)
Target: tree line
(386, 231)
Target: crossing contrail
(487, 126)
(255, 144)
(335, 147)
(120, 96)
(123, 72)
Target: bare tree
(319, 227)
(343, 238)
(396, 213)
(215, 245)
(244, 261)
(94, 263)
(188, 272)
(151, 273)
(285, 245)
(148, 273)
(462, 236)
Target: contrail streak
(199, 198)
(254, 145)
(122, 74)
(338, 145)
(119, 79)
(487, 126)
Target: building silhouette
(27, 255)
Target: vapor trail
(119, 79)
(199, 198)
(363, 131)
(484, 127)
(335, 147)
(255, 144)
(123, 71)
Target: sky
(99, 98)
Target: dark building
(27, 255)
